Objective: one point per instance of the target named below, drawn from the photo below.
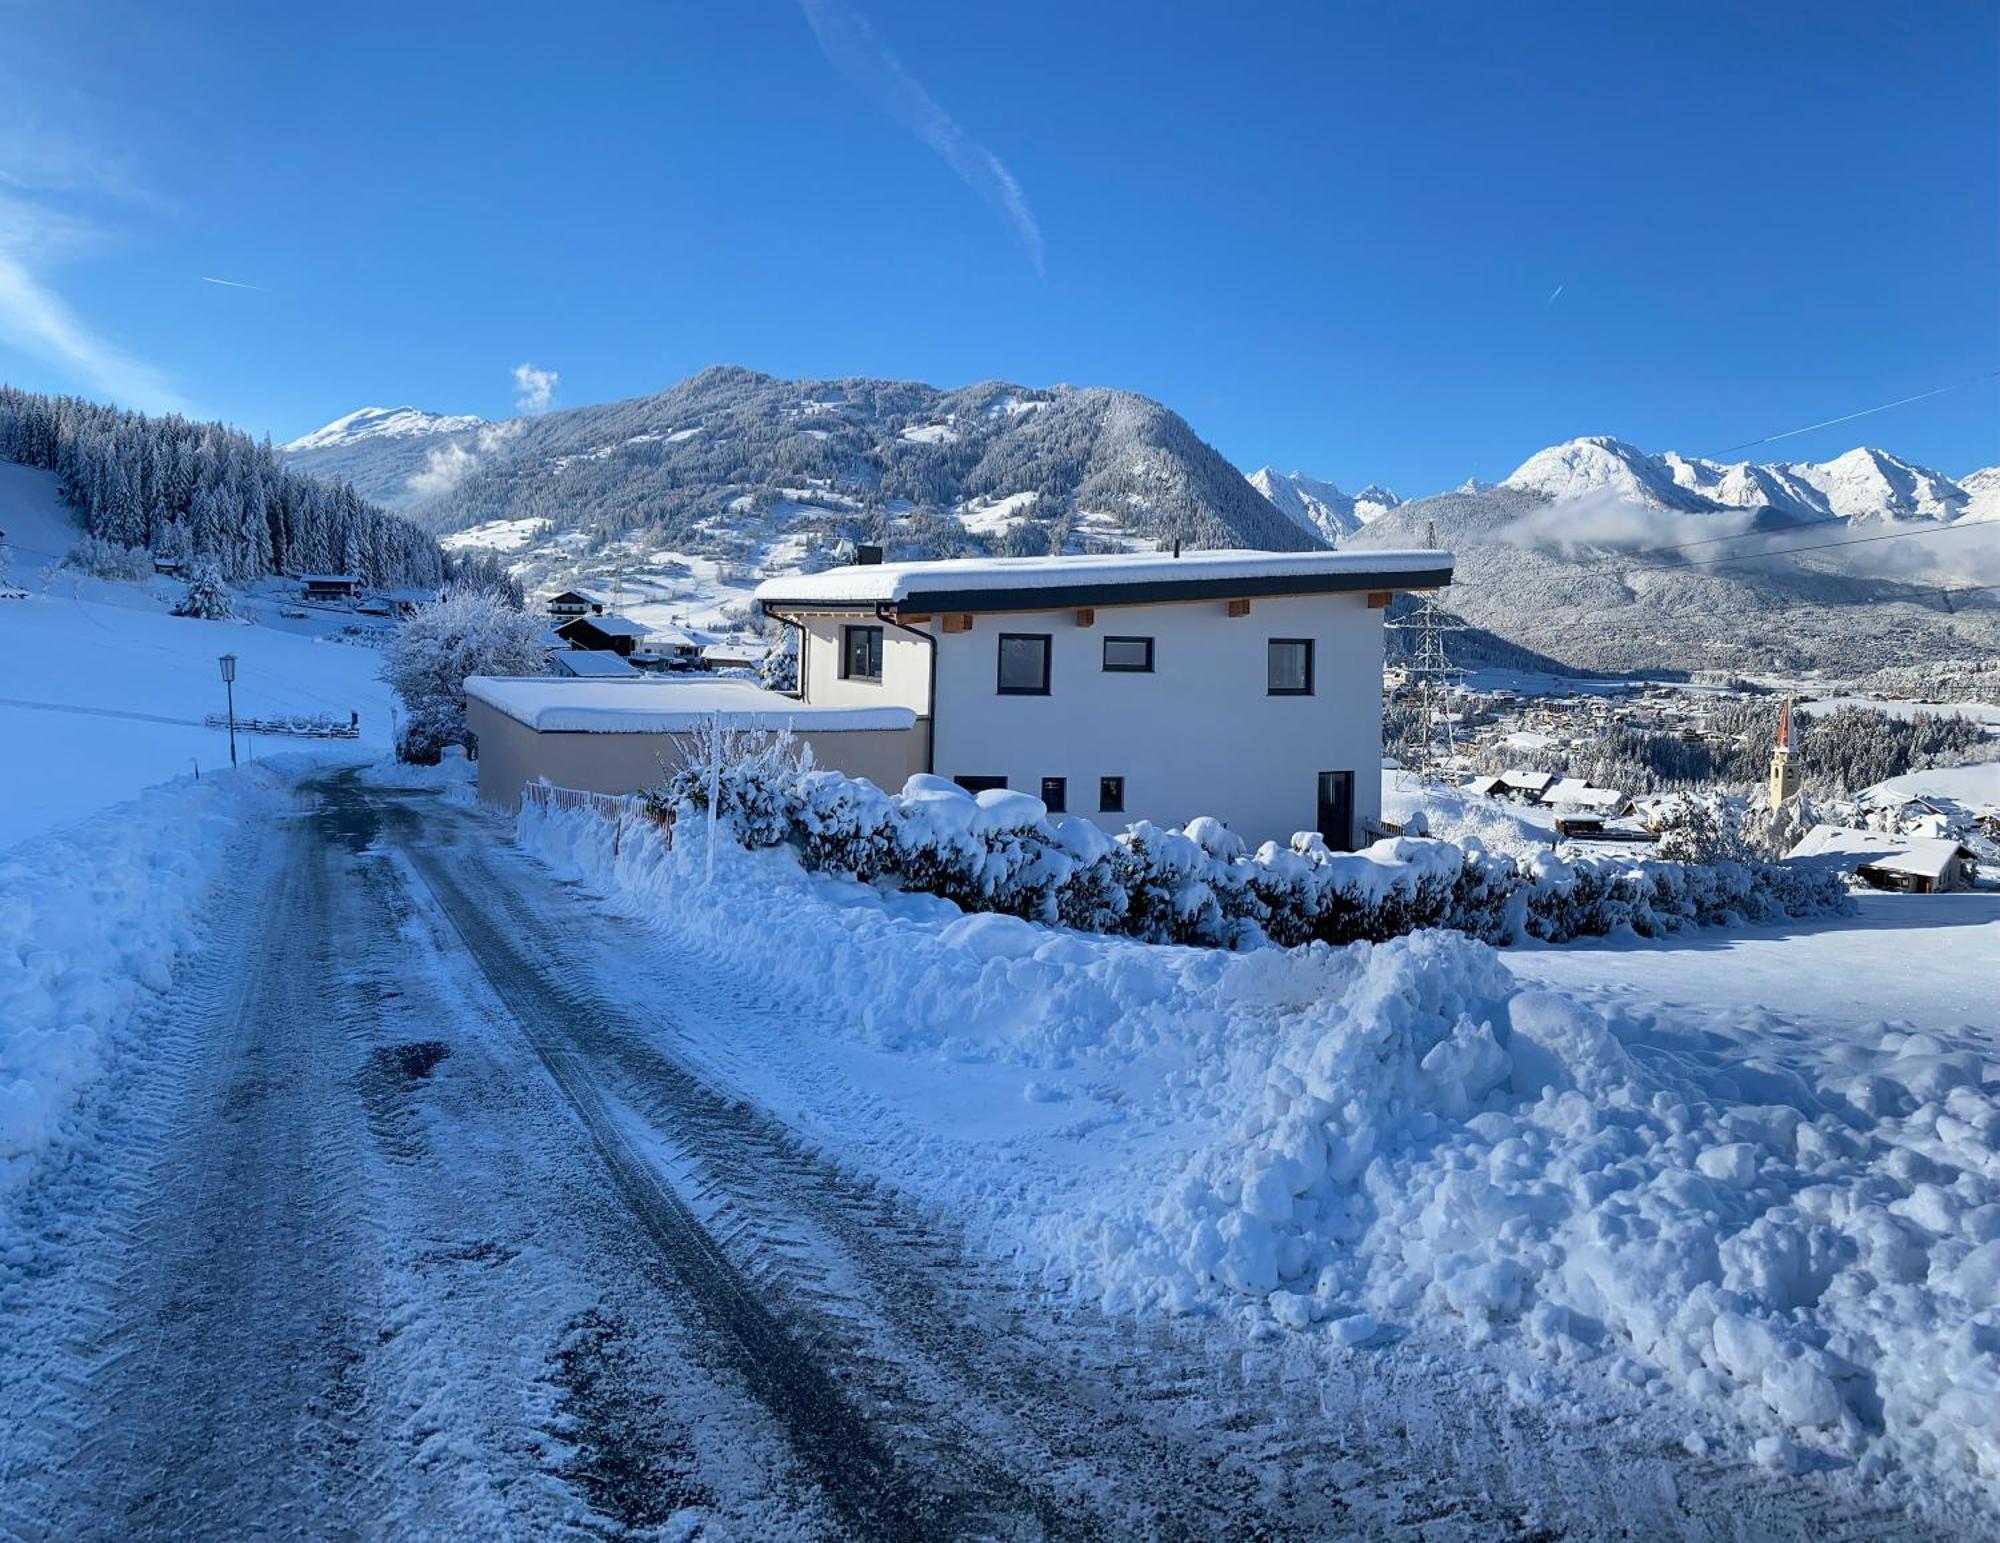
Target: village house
(572, 603)
(329, 586)
(1920, 865)
(1242, 685)
(616, 634)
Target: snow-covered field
(105, 691)
(1793, 1240)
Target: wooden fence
(622, 809)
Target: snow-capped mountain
(1982, 489)
(382, 423)
(1864, 486)
(1319, 507)
(1600, 464)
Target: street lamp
(228, 663)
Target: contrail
(1552, 298)
(1828, 423)
(851, 46)
(233, 284)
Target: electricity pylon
(1429, 675)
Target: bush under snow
(1002, 851)
(1340, 1140)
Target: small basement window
(980, 784)
(860, 653)
(1024, 663)
(1055, 794)
(1110, 795)
(1128, 656)
(1289, 667)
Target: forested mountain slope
(984, 468)
(205, 491)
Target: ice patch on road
(1344, 1140)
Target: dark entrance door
(1336, 809)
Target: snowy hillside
(110, 689)
(1863, 486)
(1319, 507)
(381, 423)
(1983, 494)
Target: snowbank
(1352, 1137)
(91, 923)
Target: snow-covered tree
(469, 632)
(207, 595)
(1701, 829)
(779, 669)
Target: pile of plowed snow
(1381, 1134)
(92, 922)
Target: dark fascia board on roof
(1062, 597)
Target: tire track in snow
(869, 1486)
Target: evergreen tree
(207, 596)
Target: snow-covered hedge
(1002, 851)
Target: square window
(1024, 663)
(1055, 794)
(861, 653)
(1289, 667)
(1128, 656)
(1110, 795)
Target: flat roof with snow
(1039, 583)
(563, 705)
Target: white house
(1243, 685)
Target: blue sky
(1327, 234)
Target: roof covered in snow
(1127, 578)
(562, 705)
(610, 626)
(598, 662)
(1838, 846)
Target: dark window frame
(847, 670)
(1307, 688)
(1127, 669)
(1048, 642)
(1110, 795)
(985, 784)
(1060, 803)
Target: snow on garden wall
(91, 921)
(1349, 1138)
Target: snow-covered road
(428, 1205)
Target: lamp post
(228, 663)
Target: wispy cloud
(534, 388)
(37, 320)
(851, 46)
(234, 284)
(46, 173)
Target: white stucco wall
(906, 666)
(1199, 735)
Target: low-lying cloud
(534, 388)
(448, 464)
(1599, 528)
